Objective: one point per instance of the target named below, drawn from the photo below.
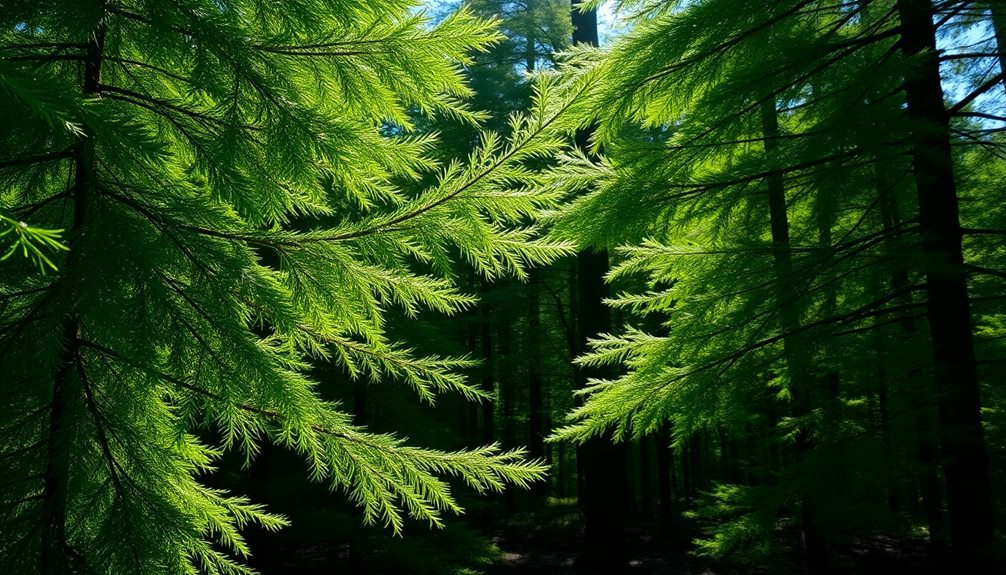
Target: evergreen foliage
(236, 212)
(32, 242)
(240, 239)
(758, 185)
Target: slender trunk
(506, 382)
(471, 408)
(893, 492)
(966, 468)
(507, 397)
(488, 383)
(922, 403)
(696, 455)
(665, 463)
(574, 346)
(752, 453)
(726, 461)
(530, 54)
(536, 406)
(560, 488)
(53, 553)
(604, 461)
(797, 364)
(485, 519)
(687, 487)
(645, 484)
(829, 383)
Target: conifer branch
(39, 159)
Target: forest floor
(547, 541)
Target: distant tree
(517, 327)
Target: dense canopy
(742, 266)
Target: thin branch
(39, 159)
(988, 85)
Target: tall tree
(242, 199)
(703, 109)
(502, 78)
(604, 462)
(969, 490)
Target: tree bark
(665, 461)
(645, 472)
(604, 461)
(921, 401)
(536, 402)
(966, 468)
(507, 397)
(55, 554)
(488, 384)
(797, 362)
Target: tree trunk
(536, 408)
(470, 409)
(604, 461)
(969, 490)
(645, 484)
(797, 363)
(696, 448)
(893, 492)
(506, 381)
(921, 401)
(507, 397)
(55, 554)
(687, 487)
(665, 463)
(536, 404)
(488, 384)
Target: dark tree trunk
(923, 406)
(645, 472)
(560, 480)
(726, 461)
(665, 464)
(470, 409)
(797, 364)
(55, 556)
(696, 449)
(488, 384)
(536, 407)
(507, 397)
(485, 518)
(687, 487)
(536, 404)
(604, 461)
(969, 490)
(893, 492)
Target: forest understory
(549, 541)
